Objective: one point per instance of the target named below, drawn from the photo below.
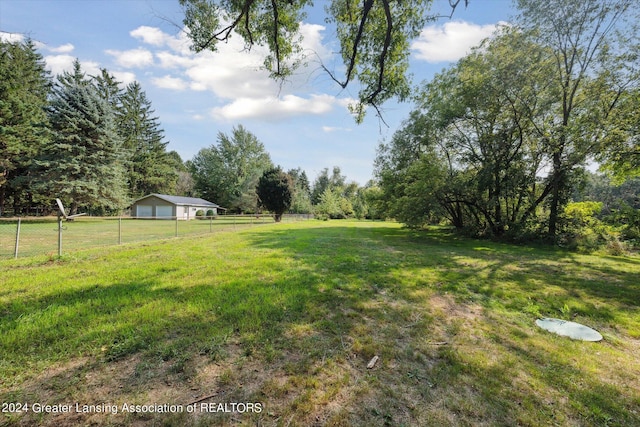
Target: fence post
(17, 247)
(176, 226)
(211, 224)
(59, 235)
(120, 230)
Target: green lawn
(287, 317)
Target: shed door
(164, 211)
(144, 211)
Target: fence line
(48, 236)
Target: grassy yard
(284, 318)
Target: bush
(582, 230)
(616, 247)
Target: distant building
(162, 206)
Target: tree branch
(226, 31)
(383, 55)
(275, 35)
(368, 4)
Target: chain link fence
(23, 237)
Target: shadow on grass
(451, 320)
(409, 267)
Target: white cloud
(150, 35)
(158, 38)
(329, 129)
(234, 75)
(168, 82)
(134, 58)
(171, 60)
(124, 77)
(275, 108)
(451, 41)
(58, 64)
(11, 37)
(65, 48)
(312, 40)
(91, 68)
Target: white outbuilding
(163, 206)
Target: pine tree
(151, 168)
(110, 90)
(84, 163)
(24, 86)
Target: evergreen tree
(301, 201)
(335, 182)
(110, 90)
(151, 168)
(24, 86)
(275, 191)
(320, 185)
(84, 163)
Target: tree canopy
(227, 172)
(84, 164)
(87, 139)
(374, 37)
(499, 140)
(24, 88)
(275, 191)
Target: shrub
(582, 230)
(616, 247)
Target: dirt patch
(440, 304)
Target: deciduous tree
(227, 173)
(588, 42)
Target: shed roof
(181, 200)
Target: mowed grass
(289, 316)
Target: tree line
(237, 172)
(88, 140)
(499, 141)
(97, 145)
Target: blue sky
(305, 123)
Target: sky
(303, 123)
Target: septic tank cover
(572, 330)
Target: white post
(59, 235)
(17, 247)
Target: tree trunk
(556, 184)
